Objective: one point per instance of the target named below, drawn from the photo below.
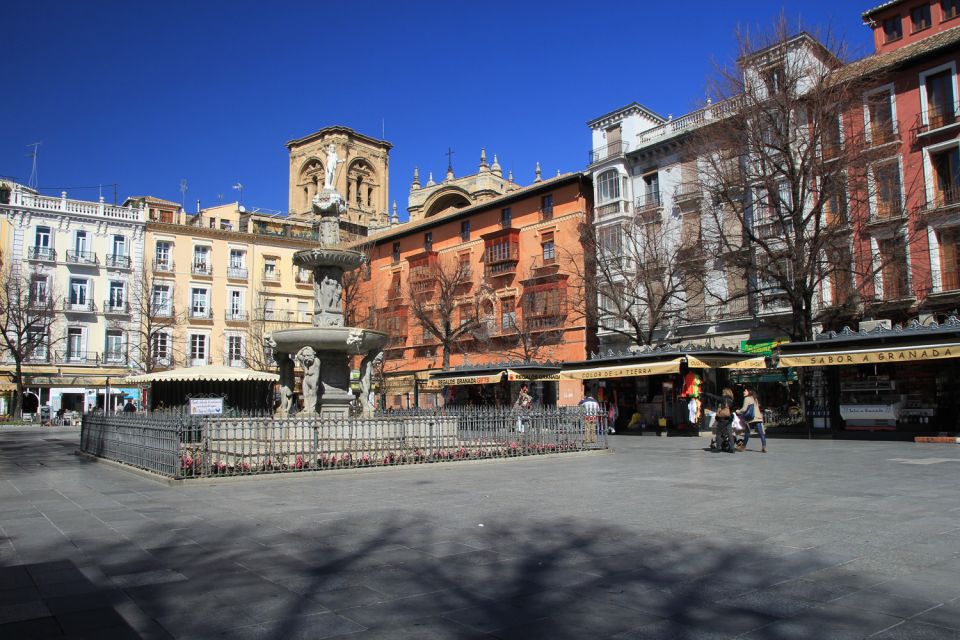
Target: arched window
(608, 186)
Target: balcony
(40, 355)
(690, 251)
(830, 150)
(114, 358)
(201, 268)
(395, 292)
(235, 363)
(271, 277)
(201, 313)
(199, 362)
(116, 307)
(943, 199)
(937, 119)
(237, 273)
(886, 212)
(163, 265)
(115, 261)
(161, 310)
(38, 303)
(161, 361)
(610, 151)
(79, 357)
(883, 134)
(86, 306)
(739, 307)
(612, 208)
(949, 282)
(84, 258)
(688, 192)
(42, 254)
(649, 207)
(235, 315)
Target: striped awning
(213, 373)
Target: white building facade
(82, 255)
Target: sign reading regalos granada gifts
(872, 356)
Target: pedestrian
(724, 421)
(591, 412)
(129, 407)
(524, 403)
(752, 417)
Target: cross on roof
(449, 155)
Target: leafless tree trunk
(262, 322)
(28, 315)
(440, 301)
(152, 300)
(792, 178)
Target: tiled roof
(892, 59)
(153, 200)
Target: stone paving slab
(660, 539)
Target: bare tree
(28, 313)
(648, 275)
(262, 322)
(440, 302)
(152, 301)
(356, 308)
(792, 178)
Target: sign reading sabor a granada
(872, 356)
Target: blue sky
(144, 94)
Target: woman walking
(752, 417)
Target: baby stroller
(720, 441)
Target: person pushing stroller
(724, 422)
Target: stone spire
(495, 167)
(416, 179)
(484, 168)
(395, 219)
(510, 175)
(537, 177)
(430, 182)
(450, 175)
(558, 173)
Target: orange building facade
(507, 276)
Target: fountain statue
(324, 351)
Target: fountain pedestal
(323, 352)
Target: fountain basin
(346, 340)
(346, 259)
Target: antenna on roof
(34, 178)
(239, 187)
(183, 193)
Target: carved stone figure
(331, 169)
(368, 367)
(310, 364)
(285, 364)
(330, 291)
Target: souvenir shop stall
(499, 385)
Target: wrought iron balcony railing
(612, 150)
(78, 306)
(237, 273)
(115, 261)
(163, 265)
(116, 306)
(944, 198)
(236, 315)
(201, 268)
(42, 254)
(201, 313)
(82, 257)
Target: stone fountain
(324, 350)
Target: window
(236, 305)
(547, 248)
(893, 268)
(303, 312)
(834, 194)
(465, 230)
(201, 259)
(37, 344)
(882, 127)
(463, 264)
(546, 206)
(39, 289)
(80, 243)
(941, 103)
(840, 264)
(651, 190)
(950, 8)
(198, 349)
(235, 350)
(226, 225)
(78, 292)
(42, 238)
(238, 259)
(396, 252)
(774, 78)
(75, 344)
(428, 241)
(270, 269)
(946, 176)
(116, 299)
(161, 300)
(114, 352)
(303, 275)
(608, 186)
(199, 307)
(949, 260)
(506, 217)
(892, 29)
(119, 246)
(920, 17)
(886, 179)
(162, 256)
(609, 241)
(831, 134)
(160, 348)
(269, 308)
(213, 223)
(508, 314)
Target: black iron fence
(181, 446)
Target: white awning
(624, 370)
(212, 373)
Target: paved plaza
(658, 539)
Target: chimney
(198, 205)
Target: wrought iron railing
(237, 273)
(42, 254)
(116, 306)
(612, 150)
(201, 313)
(178, 445)
(77, 306)
(82, 257)
(202, 269)
(163, 265)
(115, 261)
(236, 315)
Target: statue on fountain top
(330, 171)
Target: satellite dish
(241, 209)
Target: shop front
(898, 380)
(500, 385)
